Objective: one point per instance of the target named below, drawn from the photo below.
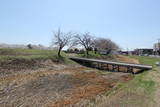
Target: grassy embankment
(97, 56)
(143, 85)
(91, 55)
(8, 55)
(141, 91)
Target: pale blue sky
(130, 23)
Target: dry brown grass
(63, 87)
(126, 59)
(93, 85)
(55, 85)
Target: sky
(130, 23)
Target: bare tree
(61, 40)
(105, 44)
(29, 46)
(86, 40)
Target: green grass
(138, 92)
(96, 56)
(140, 80)
(30, 54)
(141, 85)
(91, 55)
(146, 60)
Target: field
(38, 78)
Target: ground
(32, 78)
(142, 91)
(57, 88)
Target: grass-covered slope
(110, 57)
(142, 91)
(147, 60)
(7, 55)
(13, 61)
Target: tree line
(85, 40)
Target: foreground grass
(140, 79)
(139, 92)
(7, 55)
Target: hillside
(13, 60)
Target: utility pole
(127, 50)
(158, 46)
(159, 40)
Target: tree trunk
(95, 50)
(87, 52)
(59, 52)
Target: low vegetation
(13, 61)
(55, 85)
(147, 60)
(61, 84)
(142, 87)
(91, 54)
(110, 57)
(31, 54)
(141, 91)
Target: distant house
(126, 52)
(143, 51)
